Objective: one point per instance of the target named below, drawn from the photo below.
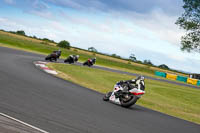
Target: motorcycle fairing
(113, 97)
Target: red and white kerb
(43, 66)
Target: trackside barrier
(161, 74)
(192, 81)
(178, 78)
(183, 79)
(171, 76)
(198, 82)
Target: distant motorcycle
(125, 94)
(72, 59)
(90, 62)
(53, 56)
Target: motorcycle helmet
(140, 78)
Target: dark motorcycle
(53, 56)
(71, 59)
(90, 62)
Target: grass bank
(174, 100)
(42, 47)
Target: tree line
(62, 44)
(66, 44)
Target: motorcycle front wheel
(48, 57)
(107, 96)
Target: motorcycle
(53, 56)
(72, 59)
(125, 94)
(90, 62)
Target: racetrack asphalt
(59, 106)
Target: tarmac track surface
(58, 106)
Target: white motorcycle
(125, 94)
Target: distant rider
(73, 58)
(92, 61)
(56, 53)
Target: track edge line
(21, 122)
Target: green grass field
(38, 46)
(182, 102)
(178, 101)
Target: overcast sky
(143, 27)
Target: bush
(148, 62)
(64, 44)
(35, 37)
(48, 40)
(163, 66)
(116, 56)
(21, 32)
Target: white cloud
(43, 14)
(9, 24)
(39, 5)
(156, 21)
(177, 57)
(9, 1)
(112, 33)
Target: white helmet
(140, 78)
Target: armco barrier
(198, 82)
(171, 76)
(192, 81)
(161, 74)
(178, 78)
(181, 78)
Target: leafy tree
(148, 62)
(163, 66)
(132, 57)
(35, 37)
(21, 32)
(92, 49)
(190, 21)
(64, 44)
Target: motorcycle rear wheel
(127, 103)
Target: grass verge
(38, 46)
(174, 100)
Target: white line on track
(26, 124)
